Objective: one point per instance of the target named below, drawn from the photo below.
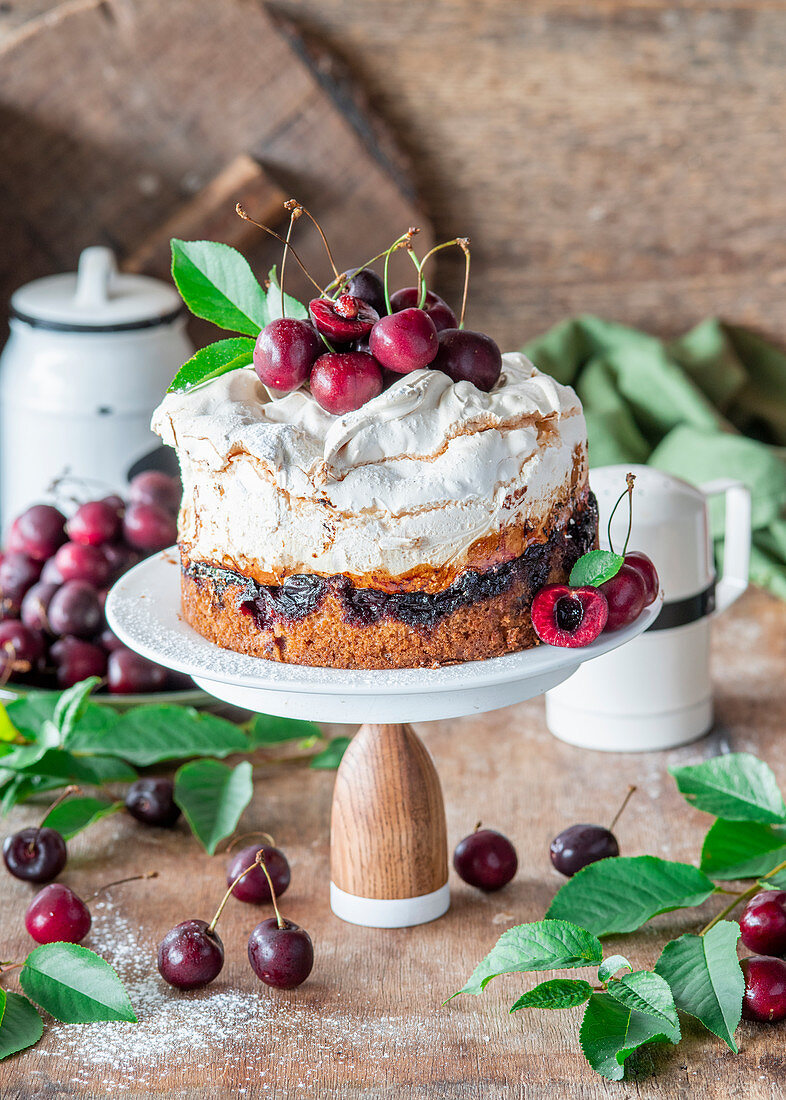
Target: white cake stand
(388, 834)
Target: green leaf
(75, 814)
(622, 893)
(595, 567)
(217, 284)
(330, 757)
(737, 786)
(293, 307)
(542, 945)
(742, 849)
(267, 729)
(69, 768)
(211, 362)
(611, 1032)
(8, 731)
(213, 796)
(74, 985)
(557, 993)
(72, 704)
(705, 977)
(30, 713)
(609, 967)
(21, 1026)
(149, 734)
(644, 991)
(24, 786)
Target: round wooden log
(389, 864)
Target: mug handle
(736, 539)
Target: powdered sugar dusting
(254, 1036)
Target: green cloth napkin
(710, 404)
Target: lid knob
(97, 268)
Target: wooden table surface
(369, 1022)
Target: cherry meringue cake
(413, 531)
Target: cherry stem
(628, 491)
(478, 825)
(212, 926)
(344, 277)
(403, 242)
(620, 811)
(266, 229)
(260, 859)
(322, 235)
(295, 210)
(244, 836)
(746, 895)
(6, 966)
(459, 242)
(120, 881)
(60, 798)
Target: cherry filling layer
(302, 594)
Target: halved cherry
(569, 617)
(346, 319)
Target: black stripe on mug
(690, 610)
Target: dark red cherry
(40, 531)
(466, 356)
(285, 352)
(35, 855)
(75, 609)
(119, 558)
(109, 641)
(367, 285)
(155, 487)
(190, 955)
(568, 617)
(254, 887)
(437, 308)
(579, 845)
(36, 604)
(486, 859)
(130, 674)
(763, 923)
(280, 956)
(764, 998)
(19, 643)
(78, 562)
(76, 659)
(57, 915)
(51, 574)
(342, 321)
(152, 801)
(343, 381)
(148, 527)
(94, 523)
(18, 572)
(404, 341)
(626, 596)
(649, 574)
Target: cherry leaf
(216, 283)
(742, 849)
(609, 967)
(595, 568)
(554, 994)
(211, 362)
(737, 786)
(20, 1024)
(75, 814)
(706, 978)
(292, 306)
(74, 985)
(213, 796)
(611, 1032)
(331, 756)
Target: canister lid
(96, 298)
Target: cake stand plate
(143, 609)
(389, 866)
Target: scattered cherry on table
(485, 859)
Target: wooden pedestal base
(389, 854)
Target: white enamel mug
(656, 693)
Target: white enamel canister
(89, 357)
(656, 692)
